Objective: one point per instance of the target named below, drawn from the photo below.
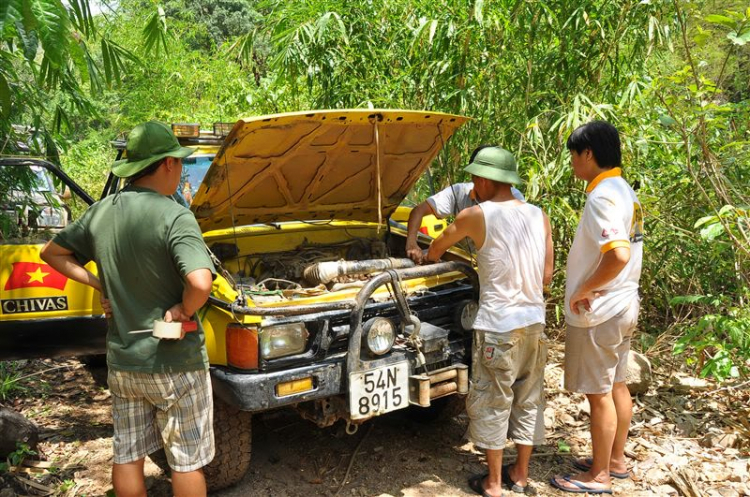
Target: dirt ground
(681, 443)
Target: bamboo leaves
(52, 23)
(155, 32)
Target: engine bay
(309, 269)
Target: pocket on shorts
(543, 349)
(615, 330)
(634, 312)
(498, 350)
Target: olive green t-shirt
(144, 245)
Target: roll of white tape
(162, 329)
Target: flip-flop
(581, 488)
(475, 483)
(585, 465)
(513, 486)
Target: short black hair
(477, 150)
(602, 139)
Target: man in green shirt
(152, 264)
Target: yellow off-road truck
(316, 307)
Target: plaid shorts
(170, 410)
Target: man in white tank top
(514, 262)
(601, 304)
(447, 202)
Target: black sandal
(475, 483)
(513, 486)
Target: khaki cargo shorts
(596, 358)
(506, 398)
(170, 410)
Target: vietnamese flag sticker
(34, 275)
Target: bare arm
(64, 262)
(613, 261)
(415, 221)
(549, 258)
(468, 223)
(194, 296)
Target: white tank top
(511, 267)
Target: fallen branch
(728, 387)
(33, 484)
(685, 483)
(37, 373)
(351, 461)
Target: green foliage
(88, 162)
(17, 457)
(10, 377)
(719, 341)
(65, 486)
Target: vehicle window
(30, 205)
(43, 182)
(194, 169)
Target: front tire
(233, 442)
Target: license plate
(378, 391)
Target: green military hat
(495, 163)
(147, 143)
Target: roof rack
(190, 134)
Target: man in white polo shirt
(602, 303)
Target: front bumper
(257, 391)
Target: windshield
(42, 181)
(194, 168)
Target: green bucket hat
(148, 143)
(495, 163)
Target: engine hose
(324, 272)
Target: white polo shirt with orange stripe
(612, 217)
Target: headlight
(378, 334)
(282, 340)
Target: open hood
(319, 165)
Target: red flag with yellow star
(34, 275)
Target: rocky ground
(688, 437)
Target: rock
(655, 476)
(727, 440)
(568, 420)
(715, 472)
(549, 418)
(14, 428)
(738, 470)
(687, 384)
(638, 377)
(664, 490)
(6, 492)
(728, 492)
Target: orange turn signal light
(294, 386)
(242, 347)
